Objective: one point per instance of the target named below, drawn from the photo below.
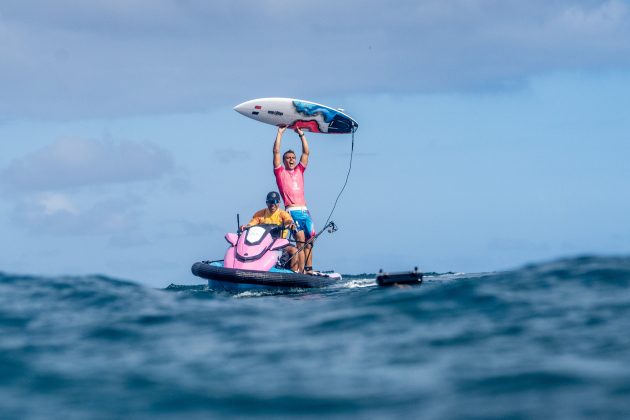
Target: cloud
(51, 203)
(81, 187)
(120, 217)
(75, 163)
(58, 214)
(107, 59)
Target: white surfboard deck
(294, 113)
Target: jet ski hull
(223, 278)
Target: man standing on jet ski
(272, 215)
(290, 181)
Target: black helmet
(273, 197)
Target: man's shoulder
(260, 213)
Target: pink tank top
(291, 185)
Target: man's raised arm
(305, 151)
(277, 159)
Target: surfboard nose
(244, 108)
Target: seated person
(273, 215)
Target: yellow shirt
(265, 217)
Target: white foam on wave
(357, 283)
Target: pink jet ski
(254, 261)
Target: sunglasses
(273, 202)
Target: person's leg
(294, 261)
(300, 259)
(300, 240)
(309, 230)
(308, 257)
(300, 217)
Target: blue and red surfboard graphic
(337, 122)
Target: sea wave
(546, 340)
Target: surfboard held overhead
(294, 113)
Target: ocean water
(550, 340)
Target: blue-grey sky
(492, 133)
